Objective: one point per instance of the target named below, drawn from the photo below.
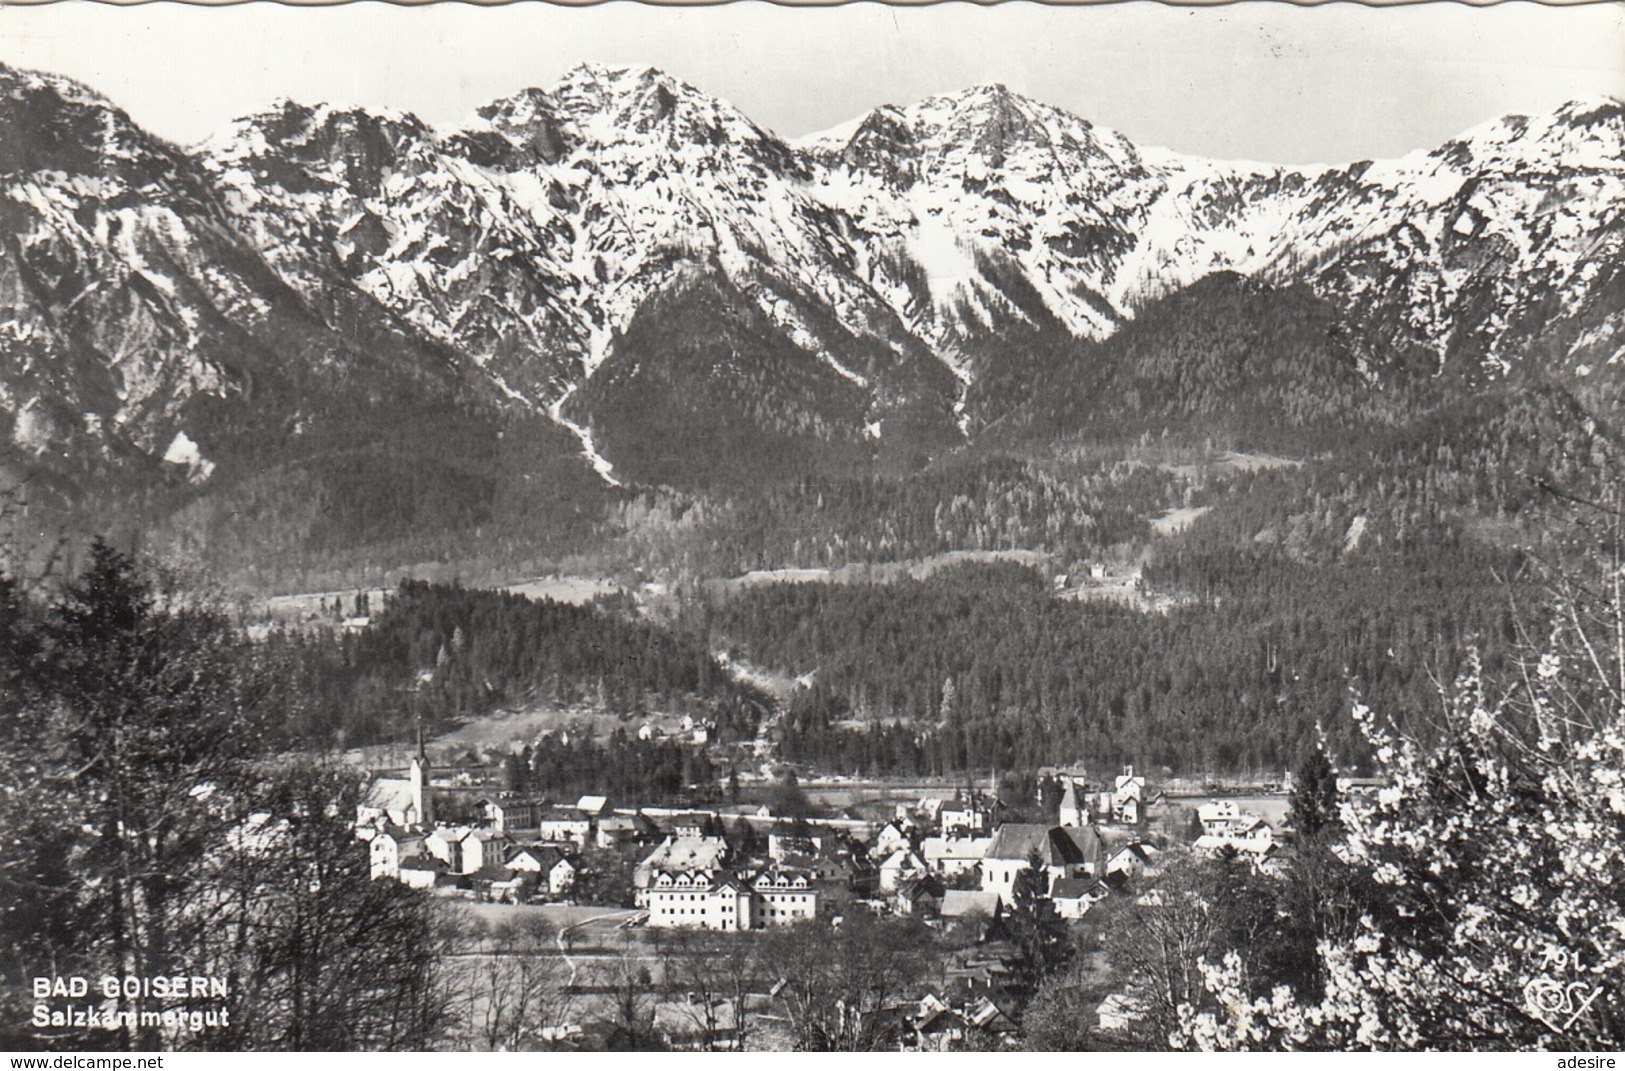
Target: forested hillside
(1070, 505)
(982, 665)
(442, 654)
(1228, 360)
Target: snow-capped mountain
(134, 305)
(622, 256)
(153, 351)
(1498, 243)
(1471, 251)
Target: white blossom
(1514, 825)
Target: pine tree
(1039, 935)
(1314, 810)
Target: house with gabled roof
(389, 847)
(421, 872)
(890, 839)
(502, 884)
(983, 1014)
(1225, 825)
(556, 871)
(1061, 851)
(966, 815)
(690, 825)
(971, 903)
(918, 897)
(1073, 897)
(1134, 859)
(951, 856)
(443, 844)
(1128, 796)
(613, 830)
(937, 1027)
(898, 867)
(1216, 816)
(481, 848)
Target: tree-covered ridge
(444, 653)
(1230, 359)
(1070, 506)
(702, 389)
(1474, 478)
(982, 665)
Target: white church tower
(422, 788)
(1072, 814)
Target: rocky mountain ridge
(558, 257)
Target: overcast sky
(1261, 81)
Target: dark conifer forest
(436, 655)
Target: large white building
(676, 855)
(1224, 825)
(722, 900)
(1061, 852)
(950, 856)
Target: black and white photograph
(946, 527)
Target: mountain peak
(360, 137)
(606, 102)
(1591, 110)
(48, 122)
(612, 72)
(602, 83)
(989, 89)
(17, 81)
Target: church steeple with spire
(422, 787)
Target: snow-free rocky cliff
(537, 257)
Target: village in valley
(963, 865)
(685, 527)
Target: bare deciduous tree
(512, 983)
(843, 988)
(713, 975)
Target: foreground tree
(318, 955)
(155, 828)
(512, 985)
(1037, 932)
(629, 1023)
(136, 711)
(1158, 942)
(1062, 1016)
(713, 977)
(1314, 810)
(1499, 854)
(841, 988)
